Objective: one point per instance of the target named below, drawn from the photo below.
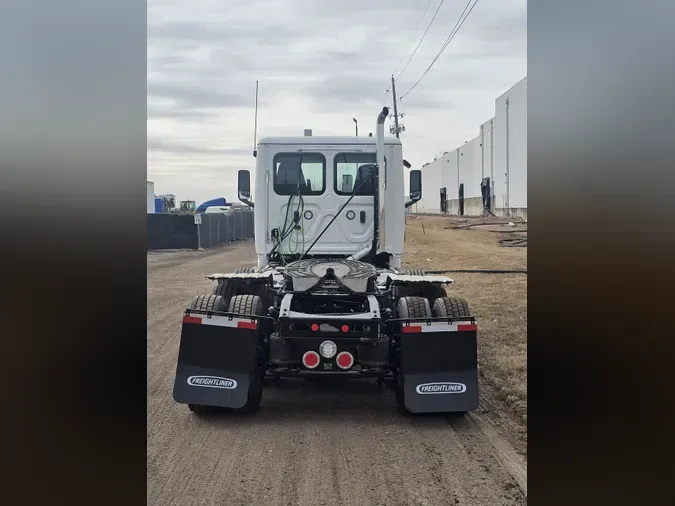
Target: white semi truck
(326, 294)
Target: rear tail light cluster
(344, 328)
(328, 349)
(311, 360)
(344, 360)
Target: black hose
(286, 231)
(480, 271)
(334, 217)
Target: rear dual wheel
(245, 305)
(226, 289)
(450, 307)
(408, 307)
(419, 307)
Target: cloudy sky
(320, 63)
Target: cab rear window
(351, 171)
(299, 171)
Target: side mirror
(244, 187)
(244, 183)
(415, 187)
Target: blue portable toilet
(158, 205)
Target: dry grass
(499, 301)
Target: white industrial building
(494, 165)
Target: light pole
(357, 126)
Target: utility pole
(393, 92)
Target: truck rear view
(327, 295)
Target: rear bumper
(434, 362)
(353, 374)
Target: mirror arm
(413, 201)
(246, 201)
(415, 195)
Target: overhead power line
(458, 25)
(413, 37)
(420, 42)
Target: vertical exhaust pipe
(381, 176)
(380, 154)
(378, 193)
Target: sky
(319, 63)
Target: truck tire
(450, 307)
(252, 305)
(413, 307)
(207, 303)
(246, 305)
(204, 410)
(214, 303)
(408, 307)
(226, 290)
(240, 304)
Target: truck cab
(310, 182)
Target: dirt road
(333, 444)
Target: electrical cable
(336, 215)
(479, 271)
(297, 229)
(288, 228)
(287, 234)
(458, 25)
(420, 42)
(413, 38)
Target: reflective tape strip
(221, 321)
(416, 328)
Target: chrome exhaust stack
(381, 174)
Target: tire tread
(451, 307)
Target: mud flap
(439, 367)
(216, 360)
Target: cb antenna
(255, 124)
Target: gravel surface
(333, 443)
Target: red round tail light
(345, 328)
(345, 360)
(311, 359)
